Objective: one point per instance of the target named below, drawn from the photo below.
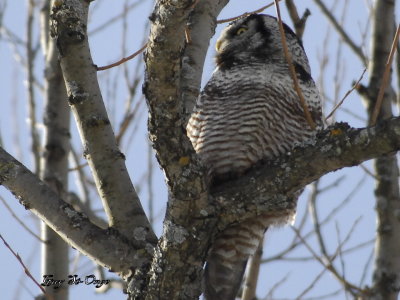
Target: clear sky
(321, 44)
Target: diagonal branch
(296, 86)
(107, 247)
(268, 188)
(106, 161)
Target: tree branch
(107, 247)
(386, 273)
(106, 161)
(268, 188)
(264, 189)
(171, 65)
(54, 162)
(201, 26)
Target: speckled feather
(249, 112)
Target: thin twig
(328, 265)
(116, 18)
(246, 14)
(307, 114)
(345, 96)
(312, 284)
(334, 184)
(299, 23)
(340, 252)
(125, 59)
(346, 110)
(367, 266)
(367, 171)
(23, 265)
(385, 78)
(315, 218)
(326, 220)
(357, 50)
(31, 54)
(275, 286)
(20, 221)
(127, 121)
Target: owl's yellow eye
(241, 30)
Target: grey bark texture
(386, 278)
(263, 189)
(106, 161)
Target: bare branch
(267, 186)
(303, 103)
(30, 54)
(106, 161)
(357, 50)
(123, 60)
(385, 78)
(246, 14)
(20, 221)
(345, 96)
(299, 23)
(23, 265)
(335, 148)
(116, 18)
(108, 248)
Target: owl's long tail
(227, 260)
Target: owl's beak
(218, 45)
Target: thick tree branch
(268, 188)
(107, 247)
(201, 27)
(106, 161)
(173, 66)
(162, 84)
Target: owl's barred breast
(249, 112)
(239, 122)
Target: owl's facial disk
(257, 39)
(242, 42)
(231, 36)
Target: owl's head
(257, 38)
